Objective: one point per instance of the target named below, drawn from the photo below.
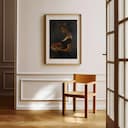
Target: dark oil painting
(63, 39)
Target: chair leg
(94, 98)
(86, 102)
(63, 99)
(74, 99)
(94, 104)
(74, 104)
(63, 105)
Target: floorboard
(50, 119)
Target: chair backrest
(84, 78)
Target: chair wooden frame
(88, 80)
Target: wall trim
(7, 67)
(58, 106)
(4, 75)
(22, 80)
(6, 94)
(103, 79)
(54, 104)
(18, 32)
(56, 73)
(4, 54)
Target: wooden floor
(50, 119)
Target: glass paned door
(123, 63)
(117, 63)
(110, 62)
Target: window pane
(108, 103)
(111, 14)
(126, 8)
(111, 105)
(121, 9)
(111, 76)
(121, 78)
(108, 49)
(126, 39)
(121, 113)
(108, 76)
(121, 41)
(126, 114)
(111, 47)
(108, 18)
(126, 81)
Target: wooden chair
(88, 80)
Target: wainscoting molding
(44, 92)
(5, 73)
(5, 60)
(36, 81)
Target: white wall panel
(40, 90)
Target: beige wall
(31, 70)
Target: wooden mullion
(125, 64)
(79, 96)
(110, 62)
(116, 114)
(126, 99)
(108, 89)
(123, 20)
(124, 60)
(106, 62)
(108, 1)
(123, 97)
(111, 32)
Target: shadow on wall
(45, 97)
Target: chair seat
(79, 94)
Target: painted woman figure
(63, 48)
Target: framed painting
(63, 39)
